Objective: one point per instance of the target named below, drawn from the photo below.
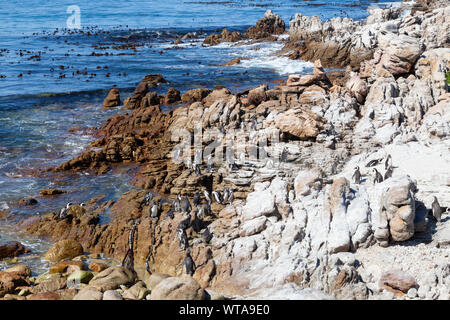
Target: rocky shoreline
(306, 216)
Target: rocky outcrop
(12, 249)
(394, 40)
(269, 25)
(112, 99)
(142, 89)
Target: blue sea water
(53, 79)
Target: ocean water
(53, 79)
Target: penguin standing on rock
(207, 196)
(207, 235)
(217, 197)
(128, 260)
(210, 164)
(388, 162)
(182, 238)
(388, 173)
(197, 169)
(177, 203)
(196, 199)
(207, 209)
(378, 177)
(148, 198)
(154, 210)
(188, 263)
(226, 194)
(357, 176)
(186, 205)
(63, 212)
(284, 154)
(436, 209)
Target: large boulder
(397, 281)
(88, 293)
(137, 292)
(176, 288)
(64, 249)
(112, 278)
(397, 211)
(308, 181)
(152, 280)
(400, 53)
(300, 122)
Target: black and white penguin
(210, 164)
(63, 212)
(154, 210)
(196, 199)
(200, 211)
(374, 162)
(197, 169)
(185, 204)
(388, 162)
(378, 177)
(357, 176)
(182, 239)
(230, 196)
(148, 198)
(254, 123)
(177, 203)
(188, 263)
(207, 209)
(388, 173)
(207, 196)
(226, 194)
(128, 260)
(284, 154)
(207, 235)
(196, 222)
(436, 209)
(217, 196)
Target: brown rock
(28, 202)
(98, 266)
(397, 281)
(300, 122)
(10, 280)
(111, 278)
(12, 249)
(195, 95)
(172, 96)
(52, 192)
(257, 95)
(89, 293)
(112, 99)
(151, 281)
(176, 288)
(64, 249)
(21, 269)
